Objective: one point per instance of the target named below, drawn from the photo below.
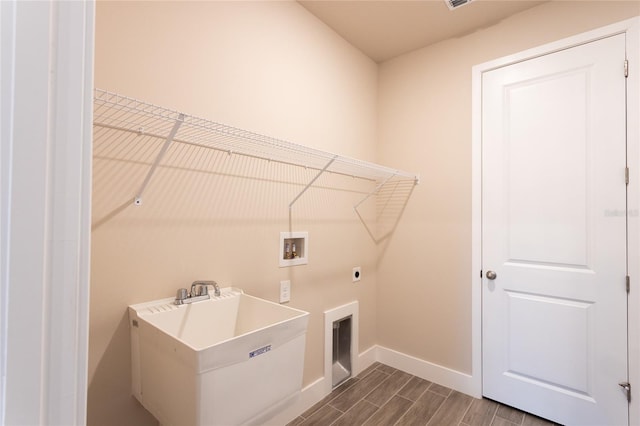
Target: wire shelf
(122, 113)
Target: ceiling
(383, 29)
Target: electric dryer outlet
(356, 274)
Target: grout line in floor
(355, 380)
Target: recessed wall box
(294, 248)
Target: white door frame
(632, 29)
(46, 108)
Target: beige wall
(425, 126)
(268, 67)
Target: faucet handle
(181, 295)
(204, 290)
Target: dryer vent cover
(454, 4)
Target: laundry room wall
(424, 274)
(267, 67)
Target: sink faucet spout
(199, 291)
(203, 289)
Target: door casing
(631, 28)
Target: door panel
(553, 153)
(561, 210)
(560, 358)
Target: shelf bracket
(375, 191)
(324, 169)
(176, 126)
(400, 190)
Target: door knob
(491, 275)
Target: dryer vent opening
(341, 353)
(341, 356)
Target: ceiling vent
(454, 4)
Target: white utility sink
(233, 359)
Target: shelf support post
(324, 169)
(176, 126)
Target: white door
(554, 234)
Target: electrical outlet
(356, 274)
(285, 291)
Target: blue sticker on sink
(260, 351)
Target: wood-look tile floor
(384, 396)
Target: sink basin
(231, 360)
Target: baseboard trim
(366, 358)
(314, 392)
(444, 376)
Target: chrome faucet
(204, 287)
(199, 291)
(199, 288)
